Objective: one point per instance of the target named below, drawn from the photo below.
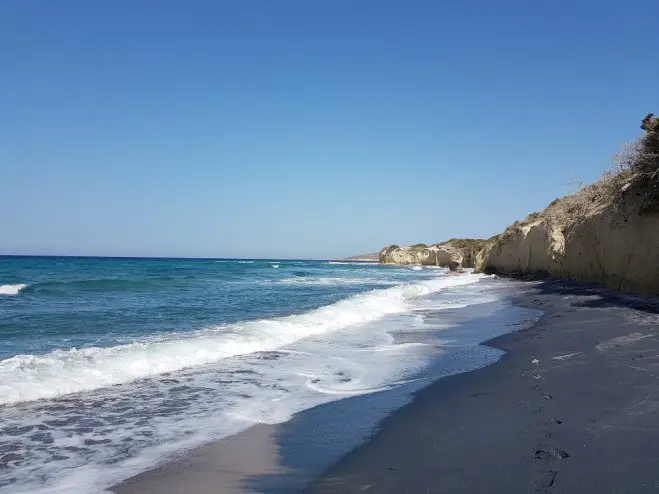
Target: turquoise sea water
(81, 302)
(109, 366)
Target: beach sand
(573, 406)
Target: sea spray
(11, 289)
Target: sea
(110, 366)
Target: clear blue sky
(306, 128)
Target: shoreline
(512, 426)
(571, 407)
(300, 449)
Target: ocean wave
(11, 289)
(34, 377)
(103, 284)
(333, 281)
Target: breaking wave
(11, 289)
(61, 372)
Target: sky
(306, 129)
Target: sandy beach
(571, 407)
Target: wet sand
(573, 406)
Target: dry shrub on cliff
(647, 155)
(645, 166)
(509, 233)
(633, 184)
(630, 186)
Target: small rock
(551, 454)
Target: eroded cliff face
(454, 254)
(607, 232)
(606, 248)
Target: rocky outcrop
(607, 232)
(454, 254)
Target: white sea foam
(275, 265)
(33, 377)
(416, 268)
(11, 289)
(165, 415)
(90, 441)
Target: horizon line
(85, 256)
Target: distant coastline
(373, 257)
(606, 232)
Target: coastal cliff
(454, 254)
(607, 232)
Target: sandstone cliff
(607, 232)
(454, 254)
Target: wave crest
(11, 289)
(33, 377)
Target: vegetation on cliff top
(605, 232)
(473, 244)
(629, 187)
